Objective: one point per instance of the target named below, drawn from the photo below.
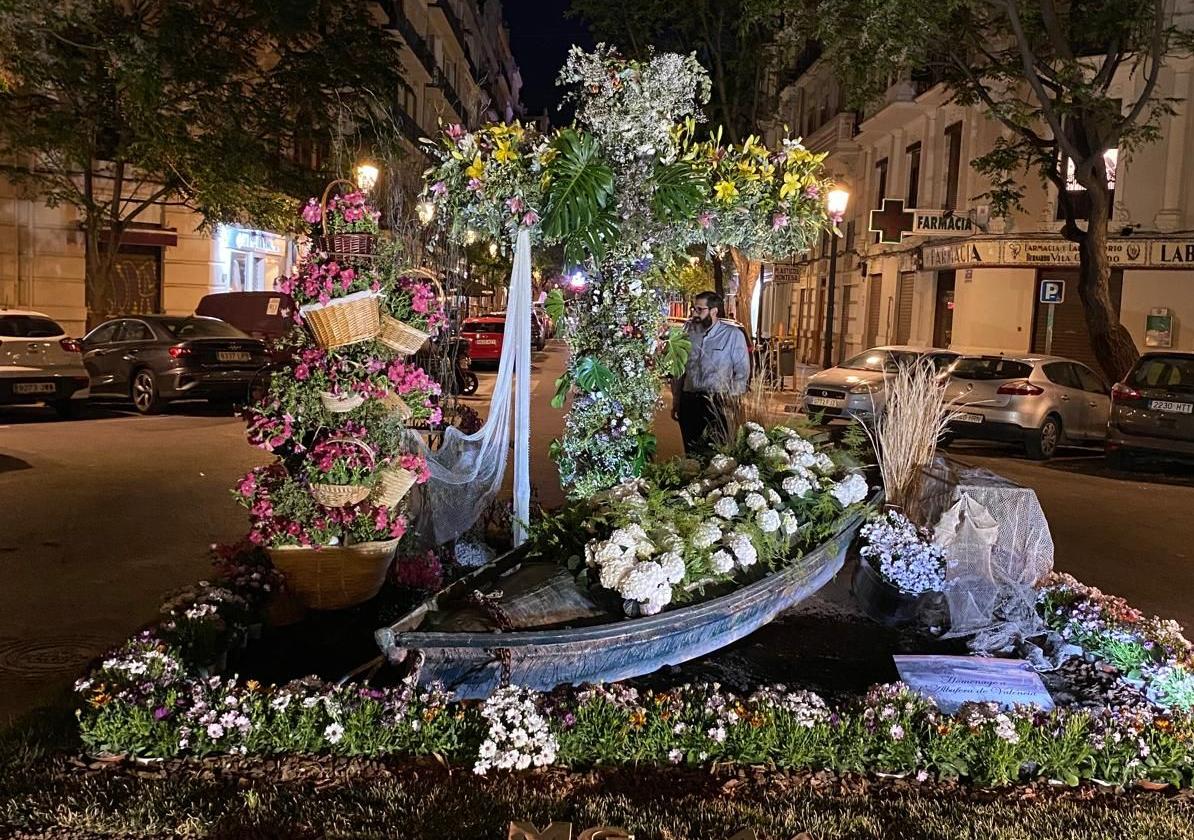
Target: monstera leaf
(563, 385)
(592, 375)
(580, 205)
(555, 305)
(677, 346)
(678, 190)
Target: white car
(39, 362)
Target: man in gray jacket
(718, 370)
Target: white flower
(896, 732)
(717, 734)
(790, 523)
(675, 756)
(731, 488)
(726, 507)
(615, 571)
(773, 497)
(775, 453)
(797, 486)
(744, 549)
(333, 732)
(767, 520)
(756, 502)
(756, 440)
(823, 463)
(707, 533)
(747, 472)
(723, 562)
(851, 489)
(721, 464)
(752, 426)
(797, 444)
(673, 567)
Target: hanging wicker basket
(400, 336)
(397, 406)
(340, 403)
(347, 244)
(344, 320)
(342, 495)
(393, 483)
(334, 577)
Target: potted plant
(411, 311)
(341, 471)
(338, 301)
(342, 224)
(899, 566)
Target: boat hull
(470, 665)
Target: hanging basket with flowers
(344, 225)
(396, 479)
(340, 470)
(412, 311)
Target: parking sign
(1052, 291)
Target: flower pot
(343, 320)
(880, 600)
(340, 403)
(349, 244)
(400, 336)
(339, 495)
(393, 483)
(334, 577)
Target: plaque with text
(953, 680)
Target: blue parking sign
(1052, 291)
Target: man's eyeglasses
(700, 309)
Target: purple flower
(812, 191)
(779, 220)
(569, 720)
(161, 713)
(439, 188)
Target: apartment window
(410, 102)
(880, 183)
(953, 169)
(913, 152)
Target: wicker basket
(393, 483)
(334, 577)
(341, 495)
(397, 406)
(400, 336)
(348, 244)
(338, 404)
(344, 320)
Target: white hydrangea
(706, 534)
(767, 520)
(747, 472)
(756, 440)
(775, 453)
(721, 464)
(753, 486)
(823, 463)
(756, 502)
(790, 523)
(752, 426)
(798, 445)
(774, 498)
(731, 488)
(723, 562)
(796, 485)
(851, 489)
(672, 564)
(726, 508)
(614, 572)
(743, 549)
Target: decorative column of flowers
(337, 412)
(626, 191)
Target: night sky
(540, 36)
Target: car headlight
(865, 388)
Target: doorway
(943, 309)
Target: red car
(484, 336)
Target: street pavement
(100, 517)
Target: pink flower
(705, 219)
(302, 372)
(515, 205)
(474, 185)
(779, 220)
(439, 188)
(455, 131)
(311, 212)
(530, 219)
(812, 191)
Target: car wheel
(66, 409)
(1042, 443)
(1120, 459)
(145, 392)
(468, 382)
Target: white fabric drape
(468, 470)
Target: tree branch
(1156, 50)
(1053, 29)
(144, 205)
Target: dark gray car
(153, 359)
(1152, 410)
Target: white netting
(998, 546)
(467, 470)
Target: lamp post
(366, 176)
(835, 204)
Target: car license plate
(966, 417)
(234, 356)
(487, 341)
(34, 388)
(1173, 407)
(826, 402)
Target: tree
(120, 107)
(1047, 71)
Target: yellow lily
(726, 191)
(746, 171)
(791, 184)
(505, 152)
(477, 169)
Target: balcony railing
(419, 46)
(457, 27)
(833, 135)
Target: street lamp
(366, 176)
(835, 205)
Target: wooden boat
(474, 664)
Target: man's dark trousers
(700, 421)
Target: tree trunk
(748, 277)
(719, 276)
(1110, 340)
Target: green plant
(580, 208)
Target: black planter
(883, 602)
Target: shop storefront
(253, 260)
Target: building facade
(457, 67)
(970, 281)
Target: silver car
(1038, 401)
(856, 388)
(1153, 409)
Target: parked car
(857, 387)
(264, 315)
(1038, 401)
(153, 359)
(537, 339)
(40, 363)
(1152, 410)
(484, 336)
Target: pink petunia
(311, 212)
